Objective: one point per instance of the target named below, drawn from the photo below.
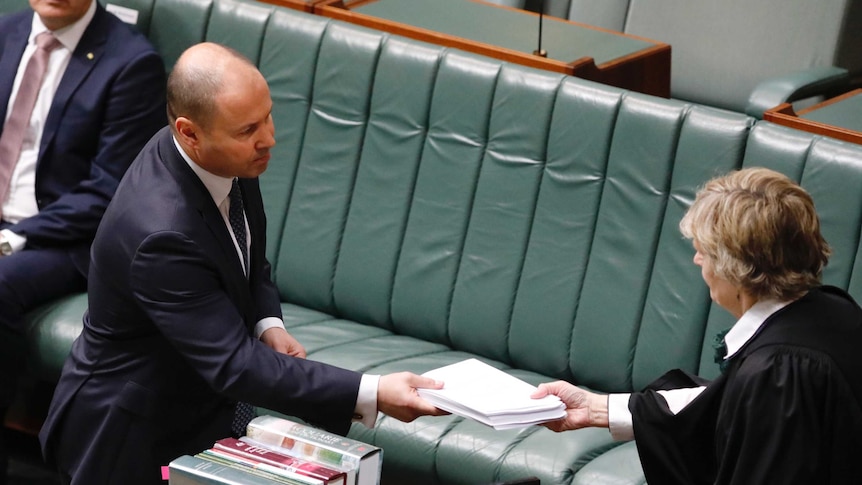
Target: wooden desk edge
(617, 72)
(331, 10)
(829, 101)
(294, 4)
(651, 66)
(784, 115)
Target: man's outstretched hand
(397, 396)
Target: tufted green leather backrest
(520, 215)
(141, 17)
(171, 25)
(288, 59)
(607, 14)
(175, 25)
(10, 6)
(524, 216)
(240, 25)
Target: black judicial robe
(786, 411)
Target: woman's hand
(583, 408)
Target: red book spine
(270, 457)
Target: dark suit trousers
(31, 277)
(28, 278)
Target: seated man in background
(80, 94)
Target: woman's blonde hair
(760, 231)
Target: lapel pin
(90, 56)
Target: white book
(474, 389)
(362, 462)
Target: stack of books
(279, 451)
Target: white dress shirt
(619, 416)
(21, 201)
(365, 410)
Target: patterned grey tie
(237, 221)
(243, 414)
(15, 129)
(244, 411)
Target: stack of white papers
(478, 391)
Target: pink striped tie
(19, 119)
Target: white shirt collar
(750, 323)
(70, 35)
(218, 187)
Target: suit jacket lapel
(13, 50)
(87, 54)
(199, 197)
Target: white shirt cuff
(678, 399)
(366, 401)
(620, 418)
(265, 324)
(15, 240)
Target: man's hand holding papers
(479, 391)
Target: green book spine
(272, 477)
(195, 470)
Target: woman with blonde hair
(786, 408)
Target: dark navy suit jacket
(167, 347)
(109, 102)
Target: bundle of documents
(478, 391)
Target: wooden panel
(785, 115)
(304, 5)
(646, 70)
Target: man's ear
(187, 131)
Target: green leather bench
(427, 205)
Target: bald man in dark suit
(184, 320)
